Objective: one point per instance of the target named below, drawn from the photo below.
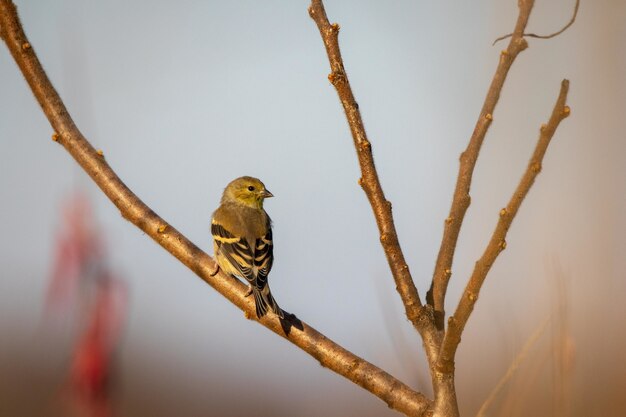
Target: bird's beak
(267, 194)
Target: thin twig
(369, 177)
(562, 346)
(461, 199)
(497, 243)
(396, 394)
(552, 35)
(519, 358)
(518, 402)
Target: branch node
(335, 28)
(100, 153)
(55, 137)
(503, 212)
(448, 272)
(365, 145)
(536, 167)
(444, 367)
(26, 46)
(502, 245)
(335, 77)
(470, 296)
(566, 111)
(489, 117)
(162, 228)
(449, 220)
(522, 44)
(425, 315)
(360, 181)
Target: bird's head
(248, 191)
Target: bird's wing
(264, 256)
(236, 250)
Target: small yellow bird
(242, 239)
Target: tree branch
(396, 394)
(461, 200)
(420, 316)
(369, 177)
(497, 243)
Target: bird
(242, 239)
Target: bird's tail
(264, 299)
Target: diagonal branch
(396, 394)
(420, 316)
(461, 200)
(497, 243)
(369, 177)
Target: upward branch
(396, 394)
(369, 177)
(420, 316)
(461, 199)
(497, 243)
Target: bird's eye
(251, 188)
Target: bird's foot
(217, 269)
(249, 291)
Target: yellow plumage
(242, 239)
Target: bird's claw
(217, 269)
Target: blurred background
(98, 320)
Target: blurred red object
(79, 253)
(92, 361)
(83, 289)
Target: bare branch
(497, 243)
(396, 394)
(461, 199)
(369, 177)
(552, 35)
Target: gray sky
(184, 96)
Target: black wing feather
(236, 250)
(264, 257)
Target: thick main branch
(396, 394)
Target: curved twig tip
(552, 35)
